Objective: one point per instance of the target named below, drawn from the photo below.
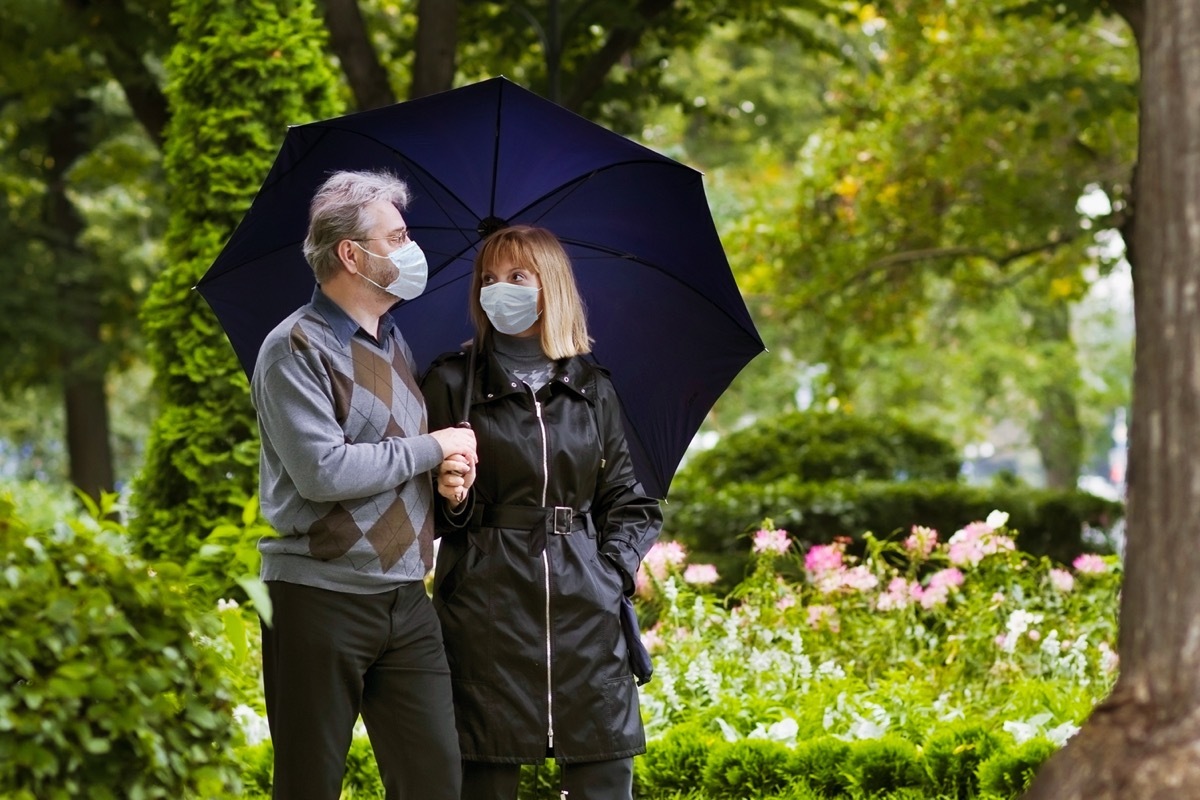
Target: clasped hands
(456, 473)
(455, 476)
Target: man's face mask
(510, 308)
(412, 270)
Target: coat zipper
(537, 407)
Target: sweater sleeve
(295, 407)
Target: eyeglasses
(395, 240)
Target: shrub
(540, 781)
(952, 757)
(675, 763)
(256, 762)
(817, 447)
(747, 768)
(886, 765)
(821, 765)
(1050, 522)
(108, 690)
(1009, 772)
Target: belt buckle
(562, 519)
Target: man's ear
(347, 255)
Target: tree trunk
(1058, 434)
(348, 35)
(83, 363)
(88, 435)
(437, 44)
(1144, 741)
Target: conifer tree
(240, 73)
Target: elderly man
(345, 482)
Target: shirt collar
(342, 324)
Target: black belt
(551, 519)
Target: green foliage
(256, 762)
(921, 277)
(541, 781)
(882, 766)
(821, 764)
(747, 768)
(677, 760)
(109, 690)
(1009, 773)
(241, 72)
(361, 780)
(953, 754)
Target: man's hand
(457, 441)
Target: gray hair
(338, 211)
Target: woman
(540, 538)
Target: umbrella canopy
(668, 320)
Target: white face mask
(510, 308)
(409, 260)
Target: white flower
(253, 726)
(997, 520)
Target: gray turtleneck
(523, 358)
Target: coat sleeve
(443, 387)
(627, 520)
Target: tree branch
(348, 36)
(620, 41)
(112, 27)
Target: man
(345, 483)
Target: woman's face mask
(510, 308)
(412, 270)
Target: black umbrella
(667, 318)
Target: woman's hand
(455, 476)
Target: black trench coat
(529, 575)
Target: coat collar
(575, 374)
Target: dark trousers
(590, 780)
(330, 656)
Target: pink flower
(824, 558)
(900, 593)
(785, 602)
(663, 556)
(921, 541)
(1062, 580)
(826, 616)
(970, 545)
(859, 579)
(947, 577)
(1090, 564)
(700, 574)
(653, 638)
(771, 541)
(938, 589)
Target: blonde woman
(540, 538)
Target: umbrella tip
(490, 225)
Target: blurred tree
(943, 189)
(80, 208)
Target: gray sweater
(344, 472)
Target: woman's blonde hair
(564, 320)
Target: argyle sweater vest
(345, 464)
